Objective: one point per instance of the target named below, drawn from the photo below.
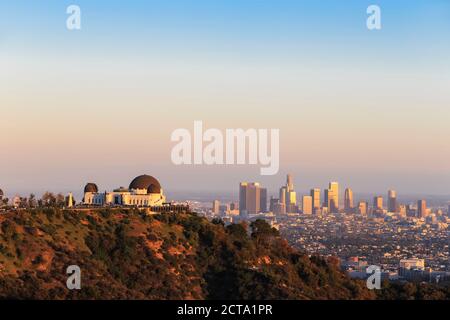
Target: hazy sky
(370, 109)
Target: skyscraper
(289, 183)
(421, 209)
(283, 195)
(254, 198)
(307, 205)
(334, 187)
(330, 201)
(224, 208)
(249, 198)
(216, 207)
(263, 200)
(392, 201)
(348, 201)
(273, 202)
(243, 198)
(288, 196)
(291, 195)
(315, 195)
(411, 211)
(279, 208)
(378, 203)
(327, 198)
(362, 208)
(291, 198)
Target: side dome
(146, 182)
(91, 187)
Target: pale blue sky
(367, 108)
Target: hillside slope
(124, 254)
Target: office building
(334, 187)
(392, 201)
(401, 210)
(362, 207)
(279, 208)
(421, 209)
(307, 206)
(330, 201)
(348, 200)
(224, 209)
(282, 197)
(414, 263)
(315, 195)
(272, 203)
(263, 200)
(411, 211)
(327, 197)
(378, 203)
(288, 196)
(249, 198)
(289, 183)
(216, 207)
(412, 269)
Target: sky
(369, 109)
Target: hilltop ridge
(126, 254)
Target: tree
(261, 227)
(60, 200)
(23, 202)
(239, 231)
(218, 221)
(32, 201)
(261, 231)
(49, 199)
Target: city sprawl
(409, 241)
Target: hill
(126, 254)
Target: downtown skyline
(255, 199)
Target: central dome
(146, 182)
(91, 187)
